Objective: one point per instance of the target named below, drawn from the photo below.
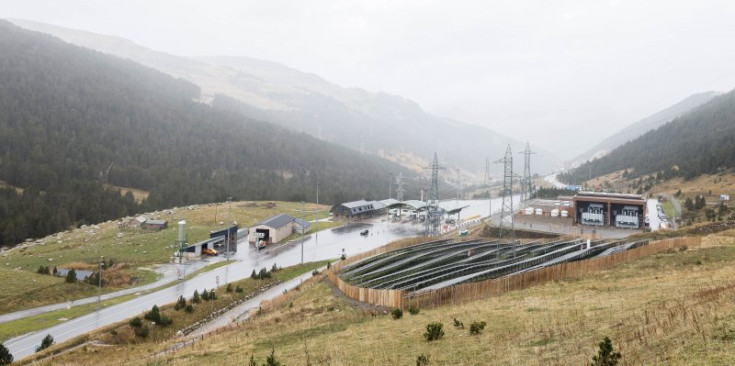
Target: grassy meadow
(135, 251)
(674, 308)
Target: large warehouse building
(610, 210)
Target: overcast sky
(551, 72)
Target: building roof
(141, 219)
(415, 204)
(278, 221)
(616, 198)
(605, 195)
(302, 223)
(155, 222)
(355, 204)
(390, 202)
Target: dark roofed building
(609, 209)
(154, 224)
(355, 209)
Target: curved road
(319, 246)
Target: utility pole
(227, 227)
(400, 190)
(99, 290)
(316, 217)
(303, 208)
(390, 185)
(459, 186)
(490, 203)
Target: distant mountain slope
(371, 122)
(698, 142)
(73, 120)
(647, 124)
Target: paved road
(552, 179)
(320, 246)
(677, 209)
(654, 222)
(168, 272)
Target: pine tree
(605, 355)
(5, 357)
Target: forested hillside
(300, 101)
(73, 120)
(649, 123)
(701, 141)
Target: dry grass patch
(673, 308)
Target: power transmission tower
(433, 211)
(505, 226)
(390, 185)
(459, 185)
(400, 190)
(526, 182)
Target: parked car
(364, 232)
(209, 251)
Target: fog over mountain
(390, 126)
(649, 123)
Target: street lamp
(99, 291)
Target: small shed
(154, 224)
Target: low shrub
(142, 332)
(458, 324)
(422, 360)
(47, 342)
(605, 355)
(434, 331)
(413, 310)
(195, 298)
(397, 313)
(477, 327)
(180, 303)
(135, 322)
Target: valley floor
(673, 308)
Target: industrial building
(277, 228)
(225, 235)
(356, 209)
(609, 210)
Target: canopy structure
(369, 208)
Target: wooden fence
(387, 298)
(477, 290)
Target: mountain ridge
(307, 102)
(75, 120)
(644, 125)
(701, 141)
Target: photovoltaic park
(444, 263)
